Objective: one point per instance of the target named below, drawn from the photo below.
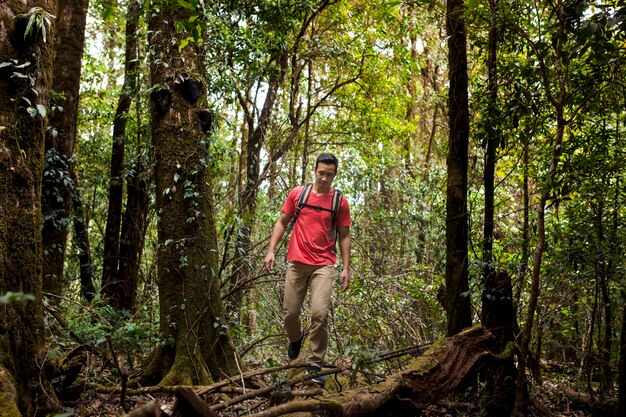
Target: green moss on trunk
(21, 164)
(8, 395)
(192, 313)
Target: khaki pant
(319, 278)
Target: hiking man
(320, 216)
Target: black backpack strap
(334, 209)
(304, 196)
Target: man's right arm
(277, 234)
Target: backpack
(302, 202)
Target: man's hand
(269, 261)
(345, 279)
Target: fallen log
(427, 379)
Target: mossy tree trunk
(191, 310)
(24, 100)
(60, 139)
(456, 298)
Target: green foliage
(108, 331)
(371, 78)
(39, 21)
(15, 297)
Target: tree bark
(621, 407)
(112, 287)
(191, 310)
(497, 317)
(57, 190)
(492, 142)
(247, 197)
(456, 298)
(133, 238)
(603, 276)
(81, 242)
(22, 138)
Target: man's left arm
(344, 247)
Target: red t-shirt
(310, 241)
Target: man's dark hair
(327, 158)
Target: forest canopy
(147, 147)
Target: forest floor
(552, 398)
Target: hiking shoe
(294, 348)
(321, 379)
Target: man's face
(325, 173)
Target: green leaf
(29, 26)
(32, 112)
(186, 5)
(14, 297)
(42, 110)
(108, 13)
(472, 4)
(183, 43)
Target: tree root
(427, 379)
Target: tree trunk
(603, 272)
(621, 408)
(81, 242)
(456, 298)
(523, 268)
(133, 238)
(247, 197)
(492, 142)
(497, 317)
(191, 310)
(497, 305)
(60, 139)
(22, 138)
(112, 288)
(412, 110)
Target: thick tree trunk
(112, 289)
(456, 298)
(497, 297)
(60, 139)
(22, 138)
(497, 317)
(192, 313)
